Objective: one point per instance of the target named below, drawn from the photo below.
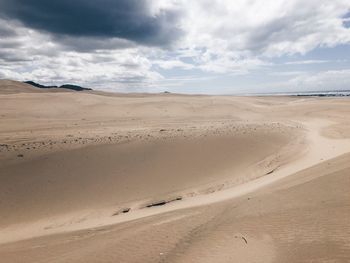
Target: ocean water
(337, 93)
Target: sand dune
(13, 87)
(170, 178)
(116, 175)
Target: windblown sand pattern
(98, 177)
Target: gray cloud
(91, 44)
(123, 44)
(346, 20)
(6, 32)
(8, 57)
(126, 19)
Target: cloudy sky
(197, 46)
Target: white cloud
(227, 36)
(270, 27)
(173, 63)
(220, 37)
(286, 73)
(121, 70)
(306, 62)
(226, 64)
(321, 81)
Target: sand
(99, 177)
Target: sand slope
(13, 87)
(117, 175)
(260, 179)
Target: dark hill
(66, 86)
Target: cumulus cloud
(173, 63)
(123, 69)
(127, 43)
(270, 28)
(306, 62)
(125, 19)
(321, 81)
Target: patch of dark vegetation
(122, 211)
(39, 85)
(335, 93)
(65, 86)
(125, 210)
(20, 155)
(243, 238)
(158, 203)
(270, 172)
(163, 202)
(73, 87)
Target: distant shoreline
(344, 93)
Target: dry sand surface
(98, 177)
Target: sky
(197, 46)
